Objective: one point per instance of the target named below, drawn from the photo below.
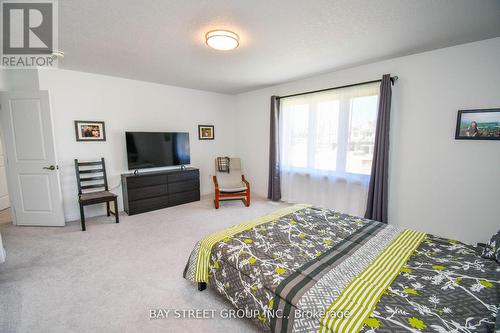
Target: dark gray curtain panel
(376, 208)
(274, 185)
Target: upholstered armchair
(229, 182)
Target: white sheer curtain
(327, 144)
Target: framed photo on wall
(206, 132)
(90, 130)
(481, 124)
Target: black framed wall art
(90, 130)
(206, 132)
(480, 124)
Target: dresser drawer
(183, 197)
(145, 205)
(185, 186)
(147, 192)
(142, 181)
(159, 189)
(182, 176)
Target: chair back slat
(86, 187)
(91, 179)
(86, 179)
(91, 171)
(89, 163)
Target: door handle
(52, 167)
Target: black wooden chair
(88, 173)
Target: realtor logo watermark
(29, 33)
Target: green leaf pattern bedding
(302, 268)
(445, 287)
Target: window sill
(328, 175)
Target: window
(332, 132)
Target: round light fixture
(223, 40)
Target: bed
(308, 269)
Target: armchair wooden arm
(217, 193)
(247, 194)
(245, 181)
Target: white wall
(437, 184)
(4, 195)
(130, 105)
(19, 79)
(3, 79)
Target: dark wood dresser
(159, 189)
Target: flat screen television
(157, 149)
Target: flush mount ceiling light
(223, 40)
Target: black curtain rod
(393, 79)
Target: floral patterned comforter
(445, 287)
(292, 270)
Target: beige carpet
(106, 279)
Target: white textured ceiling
(163, 40)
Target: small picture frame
(87, 130)
(480, 124)
(206, 132)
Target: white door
(4, 193)
(32, 172)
